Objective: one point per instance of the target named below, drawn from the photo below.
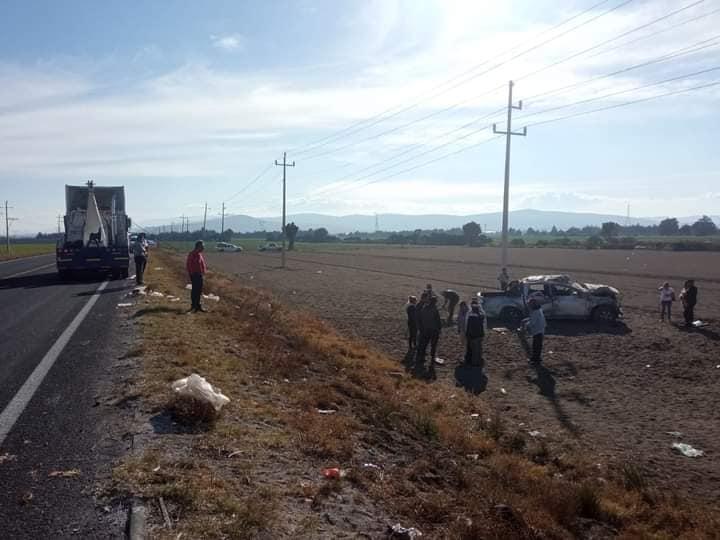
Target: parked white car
(224, 246)
(270, 246)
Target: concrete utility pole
(204, 221)
(8, 219)
(506, 194)
(222, 220)
(60, 222)
(284, 165)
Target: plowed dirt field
(614, 392)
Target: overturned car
(560, 297)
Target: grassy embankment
(449, 463)
(25, 250)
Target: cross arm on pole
(522, 133)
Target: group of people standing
(425, 324)
(688, 297)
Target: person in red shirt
(196, 268)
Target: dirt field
(615, 392)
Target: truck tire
(604, 314)
(511, 317)
(65, 275)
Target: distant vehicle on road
(96, 231)
(224, 246)
(560, 297)
(270, 246)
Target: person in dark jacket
(411, 311)
(474, 334)
(451, 300)
(688, 296)
(429, 325)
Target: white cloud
(230, 42)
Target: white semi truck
(96, 231)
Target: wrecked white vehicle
(560, 297)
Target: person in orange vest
(196, 268)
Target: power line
(701, 45)
(387, 114)
(258, 177)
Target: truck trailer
(96, 232)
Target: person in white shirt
(140, 252)
(667, 297)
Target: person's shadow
(424, 370)
(471, 378)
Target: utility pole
(222, 220)
(506, 193)
(284, 165)
(204, 221)
(59, 223)
(377, 223)
(8, 219)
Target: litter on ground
(6, 457)
(674, 433)
(699, 324)
(212, 297)
(124, 304)
(131, 277)
(188, 286)
(475, 415)
(500, 330)
(326, 411)
(687, 450)
(65, 474)
(197, 387)
(503, 391)
(157, 294)
(334, 473)
(138, 291)
(534, 433)
(319, 272)
(439, 361)
(404, 533)
(158, 268)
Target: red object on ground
(333, 472)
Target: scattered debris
(65, 474)
(212, 297)
(647, 365)
(687, 450)
(534, 433)
(475, 415)
(159, 268)
(326, 411)
(503, 391)
(699, 324)
(319, 272)
(165, 514)
(131, 277)
(500, 330)
(7, 457)
(27, 497)
(157, 294)
(124, 304)
(156, 469)
(197, 387)
(474, 457)
(138, 291)
(371, 466)
(674, 433)
(334, 473)
(188, 286)
(235, 453)
(439, 361)
(403, 533)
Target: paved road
(67, 423)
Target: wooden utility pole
(284, 165)
(7, 227)
(222, 220)
(506, 193)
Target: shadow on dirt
(704, 331)
(546, 383)
(582, 328)
(156, 310)
(424, 371)
(164, 423)
(471, 378)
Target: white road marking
(27, 271)
(23, 396)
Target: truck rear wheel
(511, 317)
(604, 314)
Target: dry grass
(442, 470)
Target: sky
(385, 106)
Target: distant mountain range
(519, 219)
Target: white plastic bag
(197, 387)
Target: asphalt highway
(59, 349)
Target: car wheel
(511, 317)
(604, 314)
